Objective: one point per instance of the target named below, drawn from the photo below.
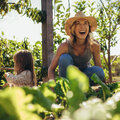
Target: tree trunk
(47, 33)
(105, 58)
(109, 64)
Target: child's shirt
(22, 79)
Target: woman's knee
(95, 69)
(99, 72)
(65, 59)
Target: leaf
(14, 105)
(73, 73)
(58, 7)
(58, 90)
(42, 96)
(57, 1)
(68, 10)
(2, 33)
(106, 90)
(79, 84)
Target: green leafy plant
(79, 84)
(106, 90)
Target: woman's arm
(96, 54)
(63, 48)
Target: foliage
(116, 66)
(61, 14)
(12, 109)
(108, 21)
(9, 47)
(80, 6)
(106, 90)
(79, 84)
(36, 15)
(22, 7)
(68, 101)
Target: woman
(79, 49)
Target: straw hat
(92, 22)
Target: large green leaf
(44, 97)
(106, 90)
(15, 105)
(79, 84)
(75, 75)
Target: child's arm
(21, 79)
(5, 85)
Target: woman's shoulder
(63, 46)
(95, 45)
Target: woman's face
(81, 28)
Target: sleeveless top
(81, 61)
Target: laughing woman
(79, 49)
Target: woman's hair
(23, 60)
(89, 39)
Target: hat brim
(92, 22)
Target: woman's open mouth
(82, 33)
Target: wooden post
(47, 33)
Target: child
(24, 70)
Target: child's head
(23, 60)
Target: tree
(108, 23)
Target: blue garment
(66, 60)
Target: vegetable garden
(66, 99)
